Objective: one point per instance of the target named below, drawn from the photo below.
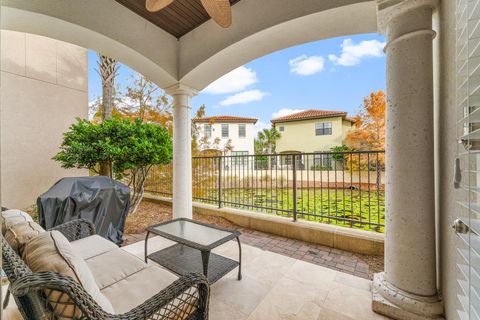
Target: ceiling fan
(219, 10)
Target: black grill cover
(101, 200)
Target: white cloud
(306, 66)
(285, 112)
(93, 108)
(244, 97)
(260, 125)
(234, 81)
(352, 53)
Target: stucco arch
(104, 26)
(204, 54)
(263, 27)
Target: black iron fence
(341, 188)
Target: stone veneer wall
(44, 86)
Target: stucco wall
(300, 135)
(43, 89)
(445, 122)
(239, 144)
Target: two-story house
(228, 135)
(312, 131)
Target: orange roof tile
(312, 114)
(224, 119)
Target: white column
(182, 150)
(407, 289)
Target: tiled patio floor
(339, 260)
(275, 286)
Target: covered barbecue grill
(101, 200)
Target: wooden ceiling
(179, 18)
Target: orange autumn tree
(369, 131)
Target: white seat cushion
(137, 288)
(92, 246)
(11, 217)
(113, 266)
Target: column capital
(389, 9)
(181, 89)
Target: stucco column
(182, 150)
(408, 289)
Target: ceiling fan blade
(156, 5)
(220, 11)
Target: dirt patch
(150, 213)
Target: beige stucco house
(44, 88)
(312, 130)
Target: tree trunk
(137, 184)
(108, 68)
(105, 169)
(107, 101)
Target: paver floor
(356, 264)
(275, 286)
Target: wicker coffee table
(192, 252)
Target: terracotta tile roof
(351, 119)
(312, 114)
(214, 119)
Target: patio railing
(341, 188)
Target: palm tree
(267, 140)
(269, 137)
(108, 71)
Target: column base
(398, 304)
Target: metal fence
(341, 188)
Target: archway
(153, 54)
(202, 55)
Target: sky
(331, 74)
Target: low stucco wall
(357, 241)
(44, 88)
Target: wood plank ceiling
(179, 18)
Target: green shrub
(129, 147)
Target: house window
(224, 130)
(281, 129)
(241, 157)
(322, 161)
(242, 131)
(207, 130)
(323, 129)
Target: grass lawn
(343, 207)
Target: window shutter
(467, 167)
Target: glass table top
(191, 231)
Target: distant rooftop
(313, 114)
(225, 119)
